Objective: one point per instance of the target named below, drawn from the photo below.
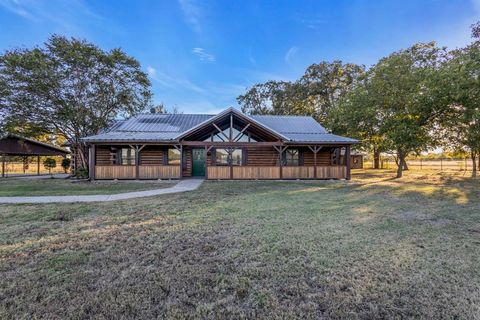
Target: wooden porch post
(206, 163)
(3, 165)
(347, 158)
(181, 162)
(91, 165)
(280, 150)
(137, 159)
(38, 165)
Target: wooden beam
(231, 128)
(206, 162)
(241, 132)
(38, 165)
(229, 144)
(137, 160)
(91, 166)
(221, 131)
(3, 165)
(181, 161)
(347, 158)
(280, 151)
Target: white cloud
(291, 54)
(203, 55)
(193, 14)
(152, 72)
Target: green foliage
(49, 164)
(314, 94)
(66, 164)
(70, 87)
(81, 173)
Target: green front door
(198, 162)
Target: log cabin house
(229, 145)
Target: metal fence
(441, 164)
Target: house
(229, 145)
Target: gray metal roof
(168, 127)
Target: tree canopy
(70, 87)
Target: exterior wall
(151, 164)
(261, 163)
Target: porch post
(347, 158)
(206, 162)
(3, 165)
(181, 162)
(38, 165)
(315, 151)
(137, 159)
(91, 165)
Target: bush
(81, 173)
(49, 164)
(66, 164)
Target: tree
(71, 88)
(405, 89)
(356, 116)
(462, 124)
(66, 162)
(49, 164)
(314, 94)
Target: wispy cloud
(250, 57)
(152, 72)
(203, 55)
(290, 54)
(66, 14)
(193, 14)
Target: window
(224, 157)
(292, 157)
(237, 157)
(221, 157)
(126, 156)
(174, 157)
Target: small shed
(13, 145)
(356, 159)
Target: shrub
(81, 173)
(66, 164)
(49, 164)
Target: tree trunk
(474, 164)
(405, 166)
(376, 159)
(400, 164)
(81, 154)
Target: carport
(13, 145)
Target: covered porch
(220, 161)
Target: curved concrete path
(182, 186)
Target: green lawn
(51, 187)
(373, 248)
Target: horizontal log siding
(218, 172)
(323, 158)
(301, 172)
(114, 172)
(103, 156)
(251, 172)
(152, 155)
(262, 156)
(159, 172)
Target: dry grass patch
(374, 248)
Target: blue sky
(201, 55)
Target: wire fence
(15, 167)
(441, 164)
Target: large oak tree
(71, 88)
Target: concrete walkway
(182, 186)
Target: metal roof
(170, 127)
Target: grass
(60, 187)
(373, 248)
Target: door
(198, 162)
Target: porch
(219, 161)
